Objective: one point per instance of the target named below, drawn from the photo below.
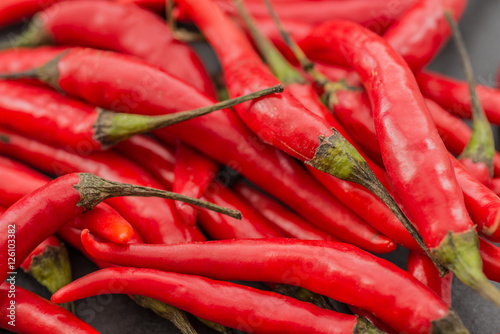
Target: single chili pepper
(32, 314)
(420, 267)
(453, 95)
(289, 222)
(77, 193)
(19, 180)
(411, 143)
(193, 174)
(156, 224)
(237, 306)
(294, 131)
(20, 59)
(253, 225)
(263, 165)
(49, 264)
(12, 11)
(337, 270)
(117, 27)
(478, 155)
(84, 127)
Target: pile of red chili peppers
(334, 144)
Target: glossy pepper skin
(337, 270)
(121, 28)
(36, 315)
(452, 95)
(420, 32)
(87, 74)
(289, 222)
(19, 180)
(154, 218)
(193, 174)
(420, 267)
(491, 259)
(240, 307)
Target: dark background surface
(118, 314)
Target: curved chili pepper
(12, 11)
(193, 174)
(337, 270)
(420, 267)
(420, 32)
(289, 222)
(261, 164)
(112, 26)
(154, 219)
(418, 164)
(253, 225)
(18, 180)
(237, 306)
(33, 314)
(452, 95)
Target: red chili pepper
(32, 314)
(18, 180)
(16, 60)
(291, 224)
(495, 185)
(413, 154)
(126, 29)
(337, 270)
(193, 174)
(12, 11)
(261, 164)
(420, 267)
(154, 219)
(422, 30)
(453, 95)
(240, 307)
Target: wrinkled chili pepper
(273, 171)
(112, 26)
(237, 306)
(36, 315)
(193, 174)
(443, 221)
(49, 207)
(337, 270)
(292, 225)
(19, 180)
(420, 267)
